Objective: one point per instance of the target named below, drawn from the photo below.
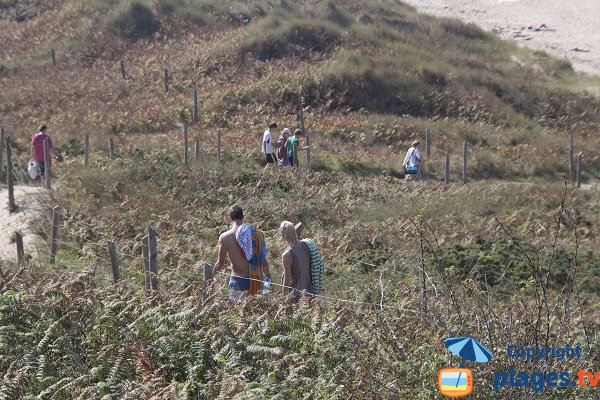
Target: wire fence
(45, 209)
(136, 260)
(449, 163)
(131, 264)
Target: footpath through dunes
(572, 26)
(30, 202)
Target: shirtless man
(240, 268)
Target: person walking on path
(37, 148)
(246, 248)
(282, 152)
(296, 259)
(412, 163)
(294, 143)
(267, 145)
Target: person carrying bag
(412, 162)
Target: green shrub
(486, 165)
(134, 22)
(557, 68)
(433, 77)
(299, 37)
(338, 16)
(402, 24)
(503, 262)
(181, 10)
(376, 84)
(72, 147)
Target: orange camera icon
(455, 382)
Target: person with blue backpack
(412, 163)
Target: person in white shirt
(267, 145)
(413, 157)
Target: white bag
(33, 169)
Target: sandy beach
(573, 26)
(30, 201)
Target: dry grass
(372, 76)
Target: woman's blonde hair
(288, 232)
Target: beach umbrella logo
(458, 382)
(468, 349)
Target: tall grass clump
(466, 31)
(375, 83)
(181, 10)
(338, 15)
(206, 12)
(299, 37)
(133, 22)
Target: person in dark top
(282, 155)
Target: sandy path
(575, 24)
(30, 201)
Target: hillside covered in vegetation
(510, 257)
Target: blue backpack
(411, 169)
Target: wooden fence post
(218, 144)
(195, 111)
(570, 155)
(446, 168)
(114, 260)
(153, 258)
(12, 207)
(1, 152)
(186, 152)
(307, 138)
(53, 56)
(86, 141)
(464, 172)
(308, 152)
(20, 250)
(579, 157)
(47, 165)
(123, 70)
(207, 276)
(427, 143)
(54, 237)
(196, 149)
(111, 148)
(295, 155)
(147, 284)
(166, 80)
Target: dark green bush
(167, 7)
(503, 262)
(181, 10)
(433, 77)
(376, 84)
(338, 16)
(299, 38)
(73, 147)
(134, 22)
